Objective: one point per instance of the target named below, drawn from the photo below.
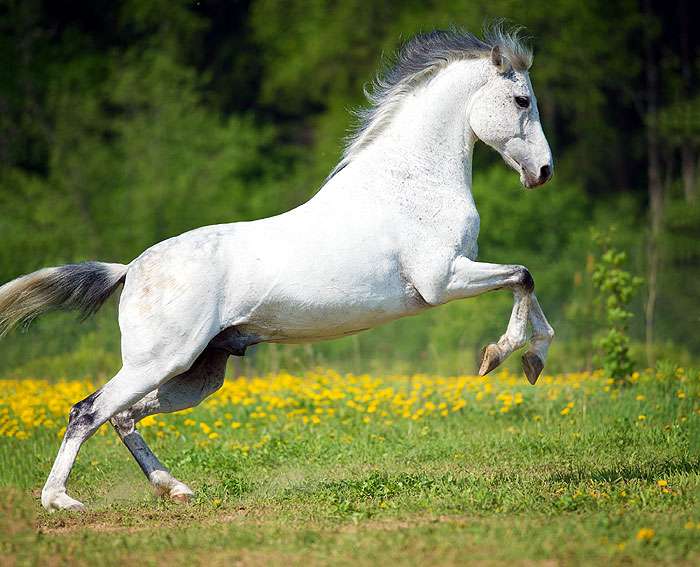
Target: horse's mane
(419, 59)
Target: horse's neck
(425, 152)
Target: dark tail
(83, 287)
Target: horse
(392, 232)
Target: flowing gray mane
(419, 59)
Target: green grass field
(325, 469)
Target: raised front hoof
(532, 365)
(61, 501)
(490, 359)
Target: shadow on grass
(649, 471)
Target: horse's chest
(439, 238)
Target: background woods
(124, 123)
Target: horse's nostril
(545, 173)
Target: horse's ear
(500, 62)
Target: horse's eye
(522, 101)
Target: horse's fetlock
(519, 340)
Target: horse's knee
(525, 279)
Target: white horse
(391, 233)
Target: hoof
(167, 486)
(532, 365)
(61, 501)
(180, 492)
(181, 498)
(490, 358)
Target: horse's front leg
(469, 279)
(542, 337)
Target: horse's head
(503, 114)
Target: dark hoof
(532, 365)
(490, 358)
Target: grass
(417, 470)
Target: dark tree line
(123, 123)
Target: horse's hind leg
(184, 391)
(127, 387)
(138, 377)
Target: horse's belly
(329, 313)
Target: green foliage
(679, 123)
(680, 275)
(125, 123)
(615, 287)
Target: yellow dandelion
(645, 534)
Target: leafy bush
(615, 287)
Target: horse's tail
(84, 287)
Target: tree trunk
(688, 167)
(655, 188)
(687, 151)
